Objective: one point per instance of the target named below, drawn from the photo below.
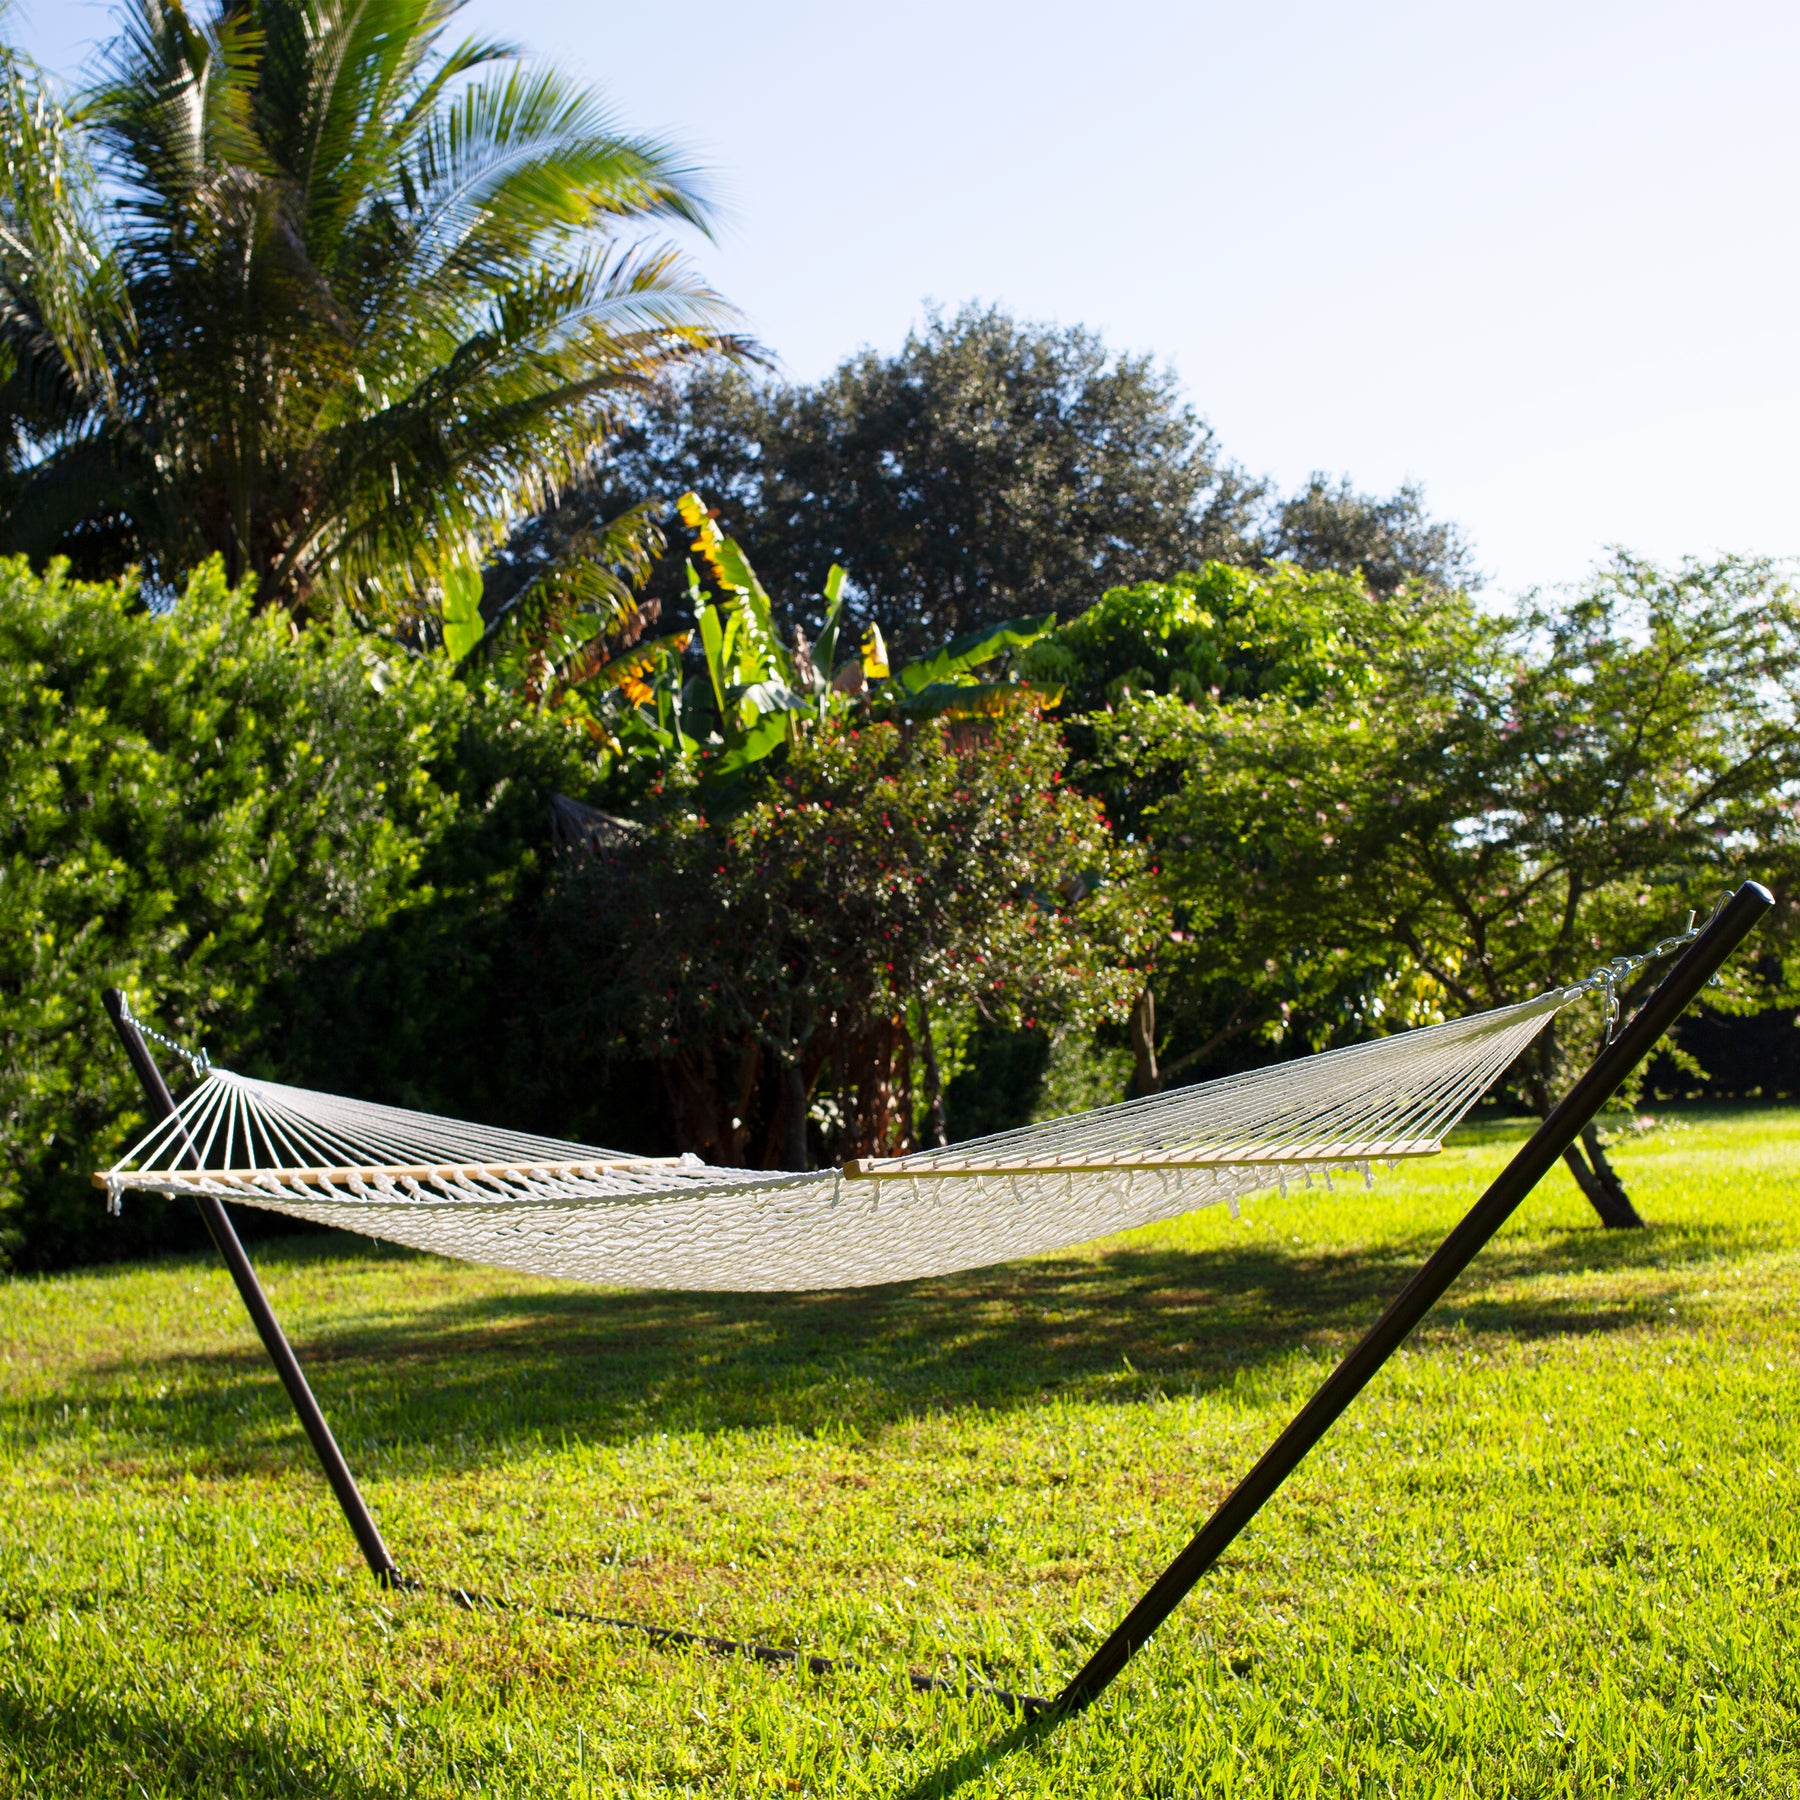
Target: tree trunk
(1147, 1079)
(934, 1086)
(1594, 1175)
(878, 1122)
(1601, 1184)
(793, 1116)
(1623, 1214)
(737, 1125)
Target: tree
(383, 292)
(1390, 542)
(793, 964)
(838, 866)
(1439, 810)
(64, 317)
(990, 468)
(1140, 669)
(316, 859)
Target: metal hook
(1611, 976)
(197, 1060)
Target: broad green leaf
(767, 734)
(972, 649)
(734, 568)
(712, 641)
(761, 697)
(463, 624)
(974, 699)
(825, 651)
(763, 647)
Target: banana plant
(762, 692)
(944, 684)
(577, 647)
(756, 692)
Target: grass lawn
(1554, 1549)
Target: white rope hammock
(552, 1208)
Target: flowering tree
(791, 965)
(836, 866)
(1425, 810)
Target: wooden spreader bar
(189, 1178)
(1287, 1155)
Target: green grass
(1552, 1550)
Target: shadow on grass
(53, 1739)
(468, 1380)
(1026, 1734)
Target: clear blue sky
(1541, 258)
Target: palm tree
(379, 293)
(64, 318)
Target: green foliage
(970, 651)
(383, 291)
(989, 469)
(768, 954)
(64, 318)
(649, 710)
(204, 809)
(1421, 809)
(1003, 1073)
(1549, 1553)
(1221, 633)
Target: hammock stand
(1700, 961)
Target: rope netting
(549, 1207)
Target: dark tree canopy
(1391, 541)
(989, 469)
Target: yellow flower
(874, 652)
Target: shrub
(813, 956)
(207, 808)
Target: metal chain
(197, 1060)
(1613, 975)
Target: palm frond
(389, 291)
(65, 318)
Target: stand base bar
(262, 1315)
(1539, 1155)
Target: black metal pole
(256, 1302)
(1541, 1152)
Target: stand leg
(256, 1302)
(1696, 966)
